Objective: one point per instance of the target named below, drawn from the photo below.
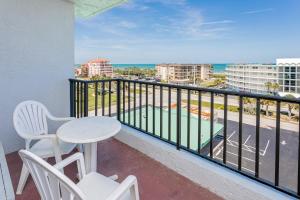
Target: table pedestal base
(90, 156)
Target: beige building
(183, 73)
(97, 67)
(251, 77)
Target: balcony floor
(155, 181)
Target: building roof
(99, 60)
(288, 61)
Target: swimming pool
(205, 125)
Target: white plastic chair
(30, 122)
(54, 185)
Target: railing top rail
(91, 81)
(201, 89)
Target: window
(280, 69)
(286, 89)
(287, 69)
(293, 69)
(286, 76)
(280, 82)
(293, 89)
(293, 76)
(293, 83)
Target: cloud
(249, 12)
(218, 22)
(134, 6)
(127, 24)
(168, 2)
(189, 23)
(118, 33)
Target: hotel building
(183, 73)
(97, 67)
(253, 77)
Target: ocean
(218, 68)
(145, 66)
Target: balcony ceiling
(89, 8)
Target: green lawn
(91, 102)
(92, 98)
(217, 106)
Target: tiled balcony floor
(156, 182)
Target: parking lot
(288, 152)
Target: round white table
(88, 131)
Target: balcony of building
(181, 142)
(155, 180)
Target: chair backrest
(50, 182)
(30, 118)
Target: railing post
(72, 99)
(212, 105)
(240, 133)
(118, 99)
(277, 143)
(178, 118)
(86, 100)
(225, 128)
(257, 142)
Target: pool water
(205, 125)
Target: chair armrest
(78, 157)
(52, 137)
(51, 117)
(130, 183)
(40, 137)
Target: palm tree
(275, 87)
(95, 78)
(249, 101)
(297, 106)
(290, 106)
(268, 85)
(267, 103)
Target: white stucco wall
(36, 59)
(219, 180)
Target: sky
(191, 31)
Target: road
(234, 116)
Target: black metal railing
(203, 121)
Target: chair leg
(58, 158)
(80, 148)
(134, 192)
(23, 178)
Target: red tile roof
(99, 60)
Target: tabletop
(88, 129)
